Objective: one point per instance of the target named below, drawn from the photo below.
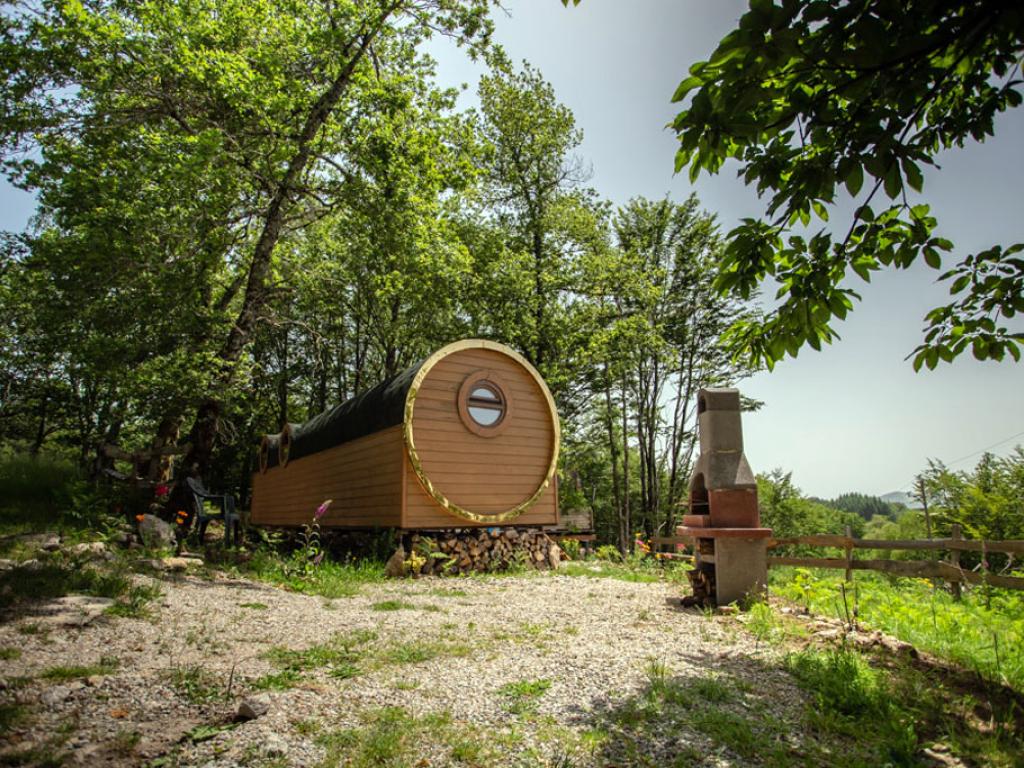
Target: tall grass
(43, 493)
(983, 632)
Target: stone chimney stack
(724, 521)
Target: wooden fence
(926, 569)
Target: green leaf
(685, 87)
(855, 180)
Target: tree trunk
(613, 447)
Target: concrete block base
(741, 569)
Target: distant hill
(900, 497)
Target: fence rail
(928, 569)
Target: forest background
(246, 217)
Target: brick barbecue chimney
(724, 521)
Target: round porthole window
(483, 403)
(486, 404)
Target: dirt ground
(538, 670)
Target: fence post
(849, 553)
(954, 559)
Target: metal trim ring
(414, 458)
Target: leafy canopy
(816, 97)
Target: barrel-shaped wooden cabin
(468, 437)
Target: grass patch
(330, 579)
(419, 651)
(394, 738)
(9, 654)
(449, 593)
(136, 603)
(196, 684)
(523, 696)
(51, 581)
(105, 666)
(984, 632)
(254, 606)
(277, 681)
(340, 656)
(11, 714)
(393, 605)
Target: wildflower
(322, 509)
(161, 490)
(140, 518)
(182, 513)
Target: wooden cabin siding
(482, 474)
(364, 477)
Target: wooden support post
(849, 553)
(954, 560)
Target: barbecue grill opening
(699, 503)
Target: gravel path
(535, 666)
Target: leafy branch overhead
(820, 101)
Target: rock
(274, 746)
(7, 565)
(74, 610)
(395, 567)
(92, 550)
(50, 544)
(31, 565)
(181, 563)
(252, 707)
(94, 681)
(156, 532)
(51, 697)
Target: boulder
(155, 532)
(92, 550)
(252, 707)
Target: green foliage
(852, 699)
(394, 737)
(987, 502)
(862, 505)
(818, 100)
(789, 513)
(982, 633)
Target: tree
(266, 92)
(812, 97)
(533, 194)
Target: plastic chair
(232, 521)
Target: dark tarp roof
(375, 409)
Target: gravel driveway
(538, 670)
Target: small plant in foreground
(523, 696)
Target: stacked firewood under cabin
(702, 577)
(468, 550)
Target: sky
(854, 417)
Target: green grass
(983, 632)
(877, 708)
(340, 657)
(277, 681)
(105, 666)
(331, 579)
(9, 654)
(523, 696)
(196, 684)
(393, 605)
(419, 651)
(254, 606)
(392, 737)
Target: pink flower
(161, 490)
(322, 509)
